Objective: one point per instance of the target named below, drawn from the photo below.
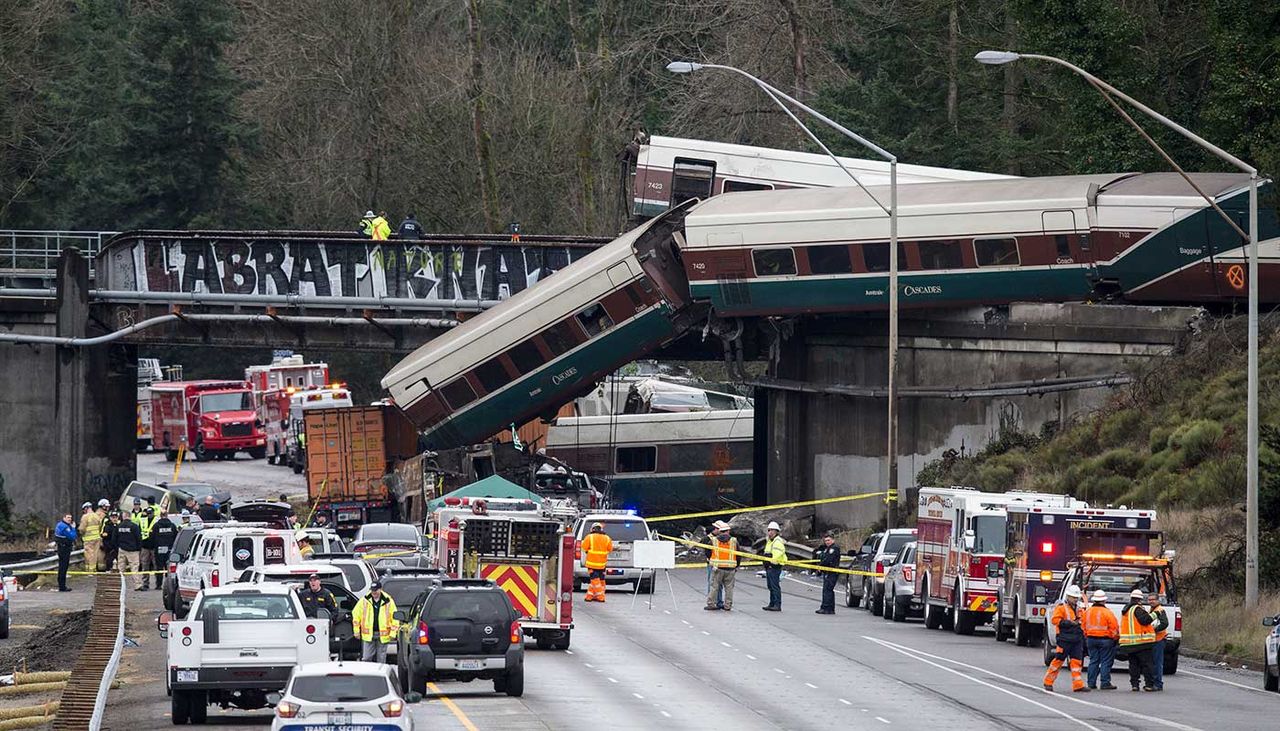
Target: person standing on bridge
(64, 535)
(1101, 631)
(596, 548)
(1137, 637)
(410, 229)
(381, 229)
(374, 624)
(828, 555)
(365, 228)
(1070, 641)
(724, 566)
(91, 533)
(775, 549)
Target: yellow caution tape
(889, 495)
(94, 573)
(767, 560)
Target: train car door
(691, 178)
(1195, 251)
(1069, 248)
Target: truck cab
(1117, 575)
(239, 645)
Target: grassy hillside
(1174, 440)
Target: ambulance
(519, 546)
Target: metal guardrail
(35, 252)
(48, 563)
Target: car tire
(202, 454)
(900, 609)
(417, 683)
(257, 452)
(543, 642)
(1002, 632)
(1048, 651)
(297, 468)
(876, 602)
(563, 642)
(515, 682)
(271, 459)
(180, 707)
(890, 603)
(850, 600)
(198, 704)
(1171, 663)
(170, 455)
(1270, 678)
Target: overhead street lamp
(777, 95)
(996, 58)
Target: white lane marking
(668, 715)
(685, 621)
(1220, 680)
(992, 686)
(806, 583)
(726, 644)
(708, 634)
(637, 695)
(780, 671)
(751, 657)
(847, 703)
(811, 685)
(920, 655)
(882, 719)
(611, 680)
(568, 652)
(666, 611)
(588, 664)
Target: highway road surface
(679, 667)
(248, 479)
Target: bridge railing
(36, 252)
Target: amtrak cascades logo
(911, 290)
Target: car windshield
(895, 541)
(139, 491)
(339, 688)
(404, 590)
(1123, 579)
(388, 532)
(628, 530)
(213, 402)
(247, 607)
(355, 576)
(481, 607)
(988, 534)
(194, 489)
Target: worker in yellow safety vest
(1137, 637)
(91, 533)
(373, 621)
(365, 227)
(381, 229)
(775, 549)
(596, 548)
(724, 569)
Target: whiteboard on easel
(653, 554)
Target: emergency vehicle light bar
(1119, 557)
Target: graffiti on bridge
(347, 269)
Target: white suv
(624, 527)
(220, 556)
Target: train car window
(691, 179)
(940, 255)
(526, 357)
(492, 375)
(1064, 246)
(560, 338)
(739, 186)
(996, 252)
(595, 320)
(830, 259)
(876, 257)
(637, 459)
(458, 393)
(774, 262)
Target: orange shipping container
(350, 449)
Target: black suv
(461, 629)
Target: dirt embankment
(55, 647)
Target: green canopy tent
(492, 486)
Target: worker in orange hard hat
(596, 548)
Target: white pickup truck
(238, 644)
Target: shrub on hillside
(1196, 439)
(1123, 426)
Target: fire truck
(212, 418)
(518, 546)
(274, 388)
(960, 551)
(148, 373)
(1043, 540)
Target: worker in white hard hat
(365, 227)
(1101, 633)
(1069, 641)
(775, 550)
(304, 543)
(1137, 638)
(90, 529)
(717, 528)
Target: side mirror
(969, 540)
(274, 698)
(413, 696)
(162, 623)
(399, 615)
(1269, 621)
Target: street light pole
(777, 95)
(996, 58)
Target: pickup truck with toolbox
(239, 645)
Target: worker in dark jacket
(315, 597)
(64, 535)
(209, 511)
(164, 533)
(109, 548)
(828, 555)
(409, 229)
(129, 548)
(1137, 638)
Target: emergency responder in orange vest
(724, 567)
(1137, 637)
(1070, 641)
(1160, 618)
(1101, 632)
(596, 548)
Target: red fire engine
(212, 418)
(960, 550)
(518, 546)
(274, 386)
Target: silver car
(1271, 654)
(900, 600)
